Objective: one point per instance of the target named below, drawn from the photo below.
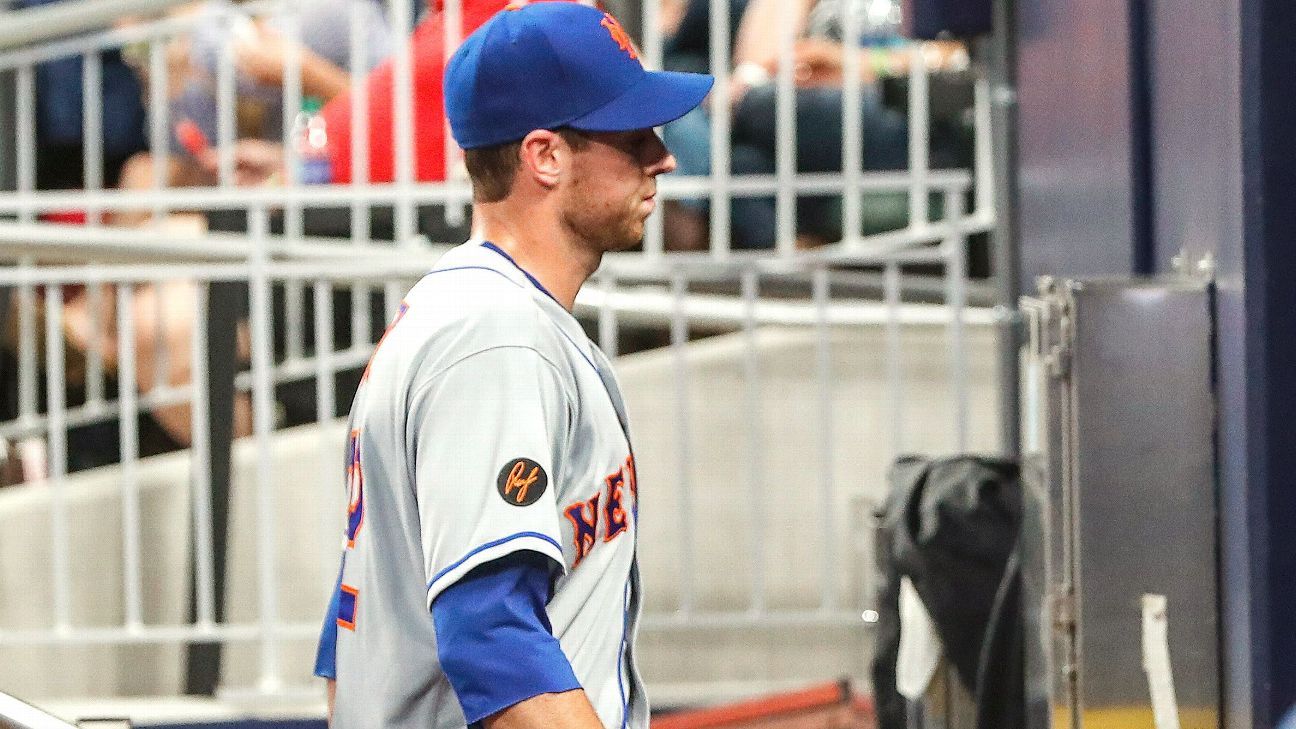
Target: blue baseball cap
(558, 64)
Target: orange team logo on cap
(619, 35)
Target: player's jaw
(614, 188)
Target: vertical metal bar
(200, 464)
(360, 211)
(292, 107)
(720, 125)
(225, 304)
(919, 158)
(955, 252)
(56, 408)
(654, 228)
(821, 292)
(128, 397)
(226, 127)
(679, 337)
(607, 323)
(1001, 67)
(852, 126)
(161, 354)
(25, 141)
(453, 30)
(25, 138)
(361, 326)
(393, 291)
(403, 119)
(983, 149)
(294, 224)
(95, 376)
(358, 61)
(92, 129)
(159, 137)
(655, 234)
(894, 358)
(27, 343)
(324, 393)
(294, 320)
(653, 43)
(325, 409)
(750, 286)
(785, 134)
(260, 314)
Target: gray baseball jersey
(486, 423)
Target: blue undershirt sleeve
(494, 639)
(326, 651)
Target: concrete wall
(723, 485)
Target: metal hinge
(1064, 617)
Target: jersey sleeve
(488, 434)
(494, 638)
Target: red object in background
(191, 137)
(66, 217)
(827, 706)
(427, 49)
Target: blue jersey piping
(536, 282)
(488, 545)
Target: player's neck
(540, 245)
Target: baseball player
(489, 575)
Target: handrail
(25, 27)
(22, 715)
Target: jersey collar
(489, 255)
(534, 281)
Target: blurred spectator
(258, 161)
(686, 28)
(819, 63)
(164, 313)
(59, 121)
(59, 155)
(260, 47)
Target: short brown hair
(493, 168)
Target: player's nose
(660, 159)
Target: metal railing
(678, 295)
(21, 715)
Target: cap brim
(658, 98)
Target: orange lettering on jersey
(584, 516)
(632, 477)
(355, 489)
(619, 35)
(518, 482)
(614, 515)
(348, 606)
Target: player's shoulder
(471, 302)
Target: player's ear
(543, 157)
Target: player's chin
(626, 243)
(631, 236)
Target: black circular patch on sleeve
(522, 482)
